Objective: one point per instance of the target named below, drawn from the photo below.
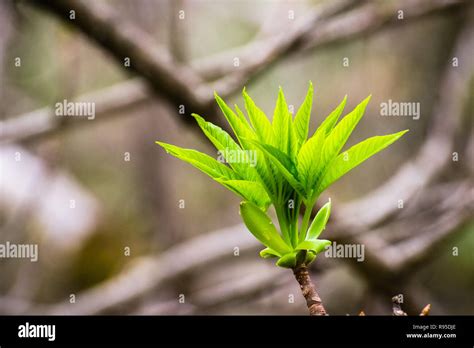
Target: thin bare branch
(435, 153)
(425, 311)
(153, 271)
(116, 100)
(177, 83)
(40, 122)
(397, 306)
(146, 274)
(259, 52)
(308, 36)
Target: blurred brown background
(124, 228)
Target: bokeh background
(147, 234)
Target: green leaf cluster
(289, 170)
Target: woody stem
(313, 301)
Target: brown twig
(398, 311)
(426, 310)
(396, 308)
(313, 301)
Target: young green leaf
(243, 131)
(283, 163)
(249, 190)
(283, 127)
(310, 256)
(308, 162)
(269, 253)
(225, 144)
(241, 116)
(318, 224)
(288, 260)
(239, 126)
(259, 121)
(273, 152)
(301, 122)
(328, 124)
(316, 246)
(357, 154)
(201, 161)
(261, 226)
(287, 168)
(264, 169)
(338, 137)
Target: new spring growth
(289, 165)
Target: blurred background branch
(218, 272)
(359, 21)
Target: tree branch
(149, 273)
(154, 271)
(396, 306)
(313, 301)
(112, 101)
(177, 83)
(144, 275)
(373, 17)
(259, 52)
(40, 122)
(308, 36)
(435, 153)
(426, 310)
